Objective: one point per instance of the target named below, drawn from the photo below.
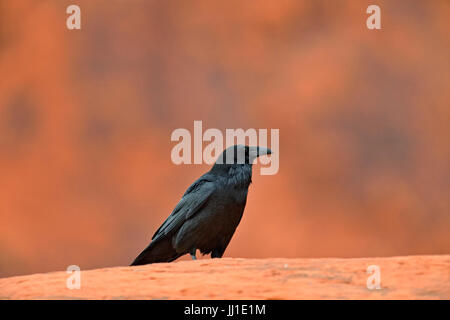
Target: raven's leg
(217, 253)
(192, 253)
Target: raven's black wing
(193, 199)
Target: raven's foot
(217, 253)
(192, 253)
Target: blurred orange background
(86, 117)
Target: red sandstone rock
(411, 277)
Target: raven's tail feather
(160, 251)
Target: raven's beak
(255, 152)
(263, 151)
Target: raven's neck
(239, 175)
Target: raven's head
(240, 154)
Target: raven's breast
(215, 223)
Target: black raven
(209, 211)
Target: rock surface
(410, 277)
